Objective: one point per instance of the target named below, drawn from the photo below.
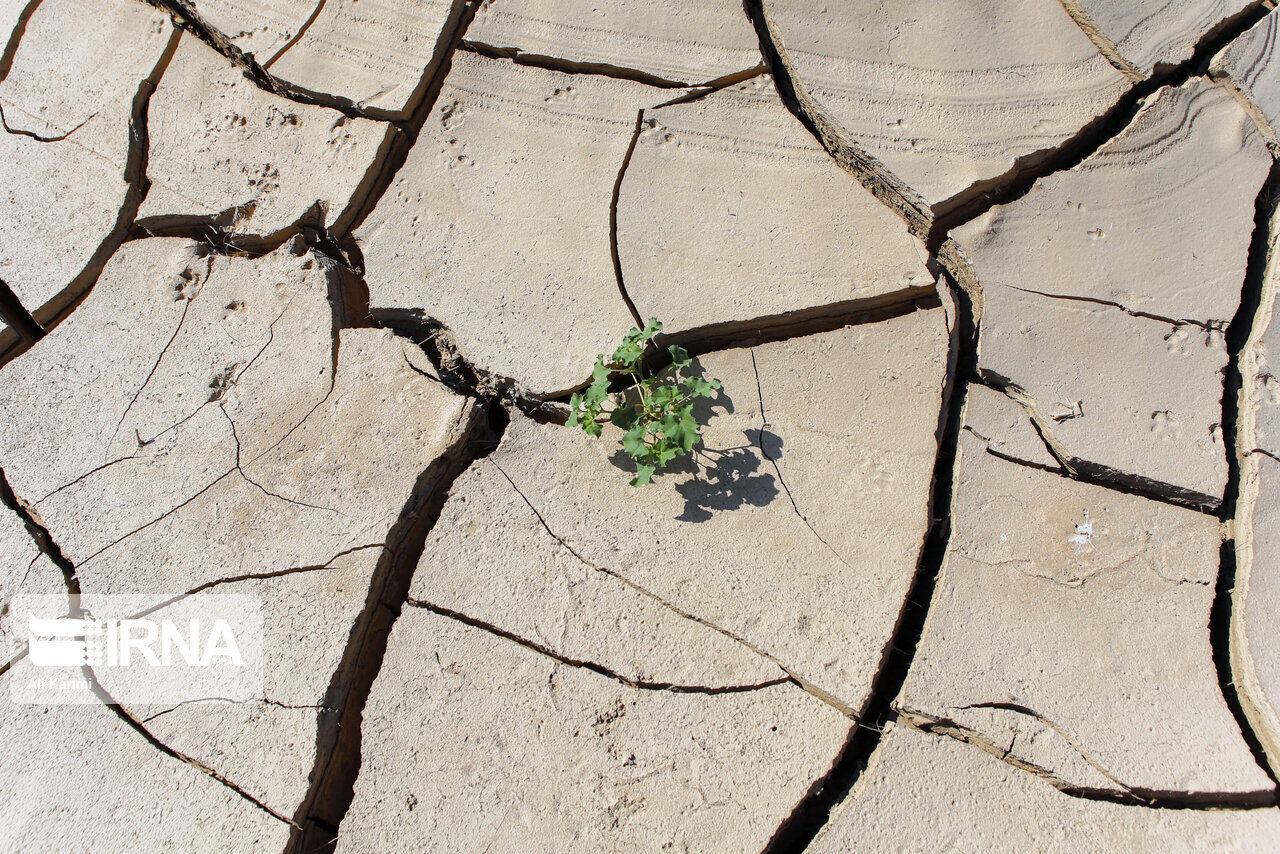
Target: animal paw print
(1166, 425)
(186, 285)
(452, 115)
(1215, 338)
(656, 134)
(1177, 340)
(278, 117)
(755, 85)
(223, 381)
(340, 139)
(230, 122)
(265, 178)
(877, 478)
(1268, 389)
(455, 154)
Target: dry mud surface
(982, 548)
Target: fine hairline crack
(942, 726)
(842, 707)
(585, 664)
(265, 701)
(696, 90)
(567, 66)
(137, 726)
(48, 546)
(1071, 740)
(1087, 471)
(531, 506)
(812, 812)
(1207, 325)
(764, 428)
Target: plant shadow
(719, 479)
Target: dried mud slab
(1058, 599)
(525, 753)
(222, 148)
(260, 29)
(1255, 661)
(24, 570)
(927, 793)
(1006, 428)
(268, 745)
(1105, 290)
(1144, 37)
(490, 558)
(730, 211)
(1134, 401)
(945, 96)
(199, 426)
(1249, 68)
(377, 55)
(498, 224)
(373, 55)
(1128, 226)
(679, 43)
(77, 778)
(77, 75)
(795, 533)
(133, 389)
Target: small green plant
(656, 411)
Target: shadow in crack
(716, 479)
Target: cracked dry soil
(979, 552)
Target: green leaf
(631, 351)
(683, 432)
(643, 473)
(598, 392)
(656, 415)
(624, 416)
(627, 357)
(664, 397)
(698, 387)
(679, 357)
(575, 410)
(633, 440)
